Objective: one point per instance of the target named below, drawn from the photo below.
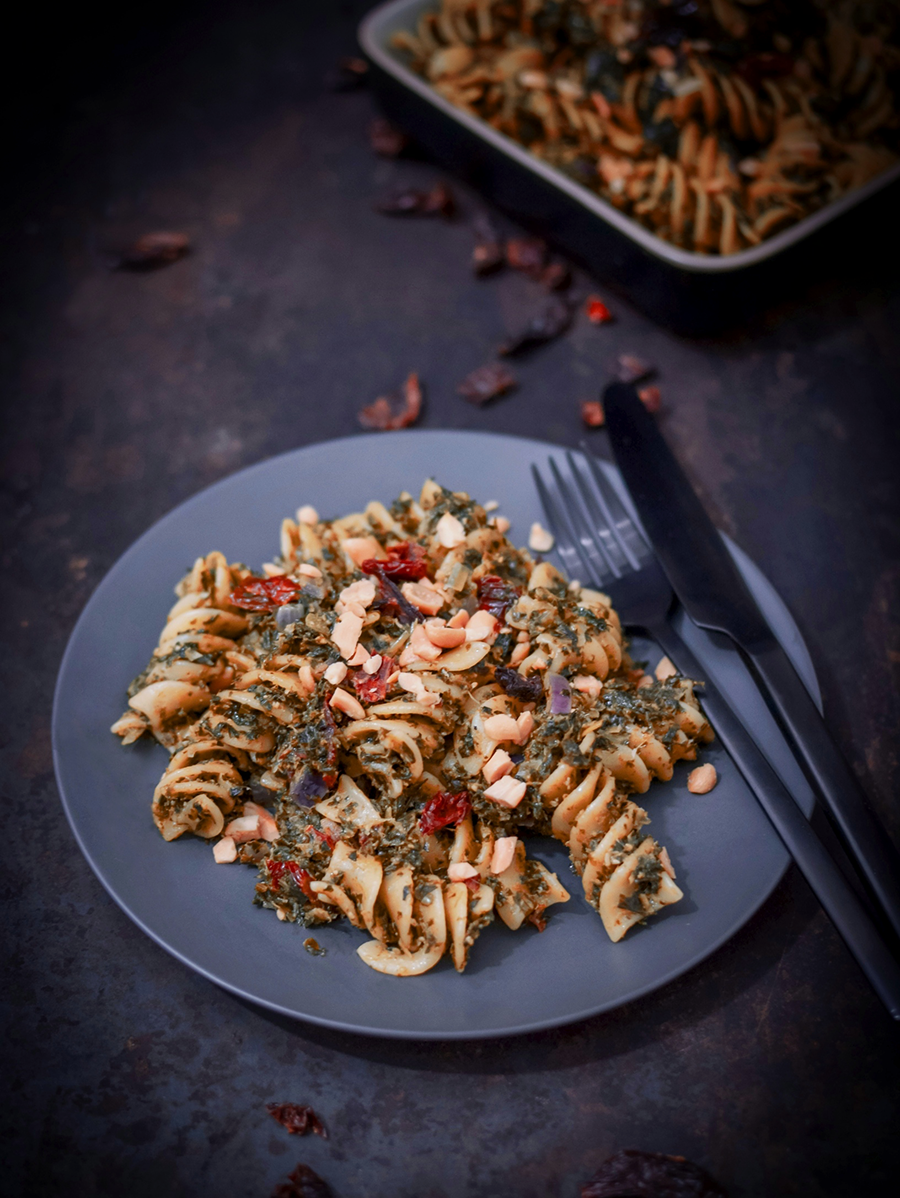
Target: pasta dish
(385, 720)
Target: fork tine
(588, 565)
(565, 543)
(590, 527)
(615, 513)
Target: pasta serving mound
(411, 694)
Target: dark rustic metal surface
(771, 1064)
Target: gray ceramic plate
(727, 857)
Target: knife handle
(825, 879)
(868, 843)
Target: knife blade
(706, 581)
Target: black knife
(716, 598)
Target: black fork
(599, 543)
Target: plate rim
(541, 1025)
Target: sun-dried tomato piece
(323, 834)
(597, 311)
(386, 139)
(556, 276)
(390, 598)
(529, 689)
(632, 369)
(528, 254)
(486, 383)
(390, 412)
(372, 688)
(635, 1174)
(550, 322)
(495, 595)
(264, 594)
(303, 1183)
(487, 255)
(472, 883)
(592, 413)
(437, 201)
(406, 562)
(153, 250)
(443, 810)
(347, 75)
(650, 397)
(302, 877)
(297, 1118)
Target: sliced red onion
(560, 694)
(307, 788)
(291, 613)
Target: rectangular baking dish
(693, 294)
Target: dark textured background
(772, 1063)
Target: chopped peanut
(373, 665)
(336, 673)
(442, 635)
(539, 539)
(268, 829)
(702, 779)
(665, 670)
(460, 871)
(426, 598)
(481, 626)
(346, 634)
(501, 524)
(245, 828)
(449, 531)
(309, 571)
(666, 862)
(646, 680)
(498, 764)
(507, 791)
(362, 592)
(520, 652)
(423, 647)
(416, 687)
(460, 620)
(225, 851)
(359, 549)
(360, 657)
(307, 678)
(503, 854)
(341, 701)
(589, 684)
(307, 514)
(501, 727)
(525, 726)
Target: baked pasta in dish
(386, 718)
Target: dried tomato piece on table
(444, 809)
(297, 1118)
(650, 1175)
(264, 594)
(303, 1183)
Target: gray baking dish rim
(374, 32)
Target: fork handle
(842, 905)
(869, 844)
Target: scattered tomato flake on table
(592, 413)
(297, 1118)
(597, 311)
